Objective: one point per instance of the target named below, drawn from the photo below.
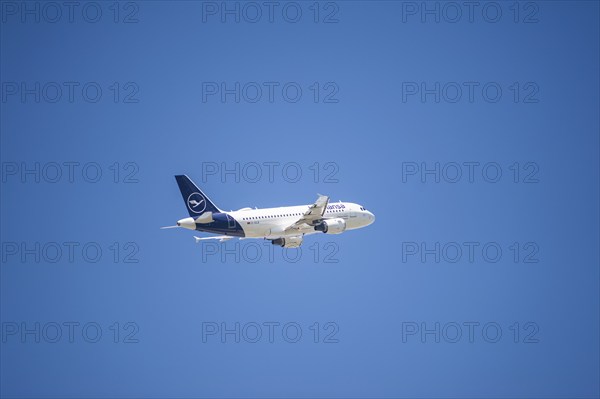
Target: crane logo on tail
(196, 203)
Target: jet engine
(288, 242)
(332, 226)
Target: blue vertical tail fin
(195, 200)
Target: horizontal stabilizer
(220, 238)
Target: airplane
(284, 226)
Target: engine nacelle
(332, 226)
(288, 242)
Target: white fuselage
(271, 222)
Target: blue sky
(473, 139)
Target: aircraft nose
(371, 217)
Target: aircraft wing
(312, 215)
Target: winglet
(321, 202)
